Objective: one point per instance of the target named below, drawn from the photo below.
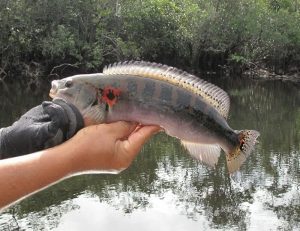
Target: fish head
(83, 95)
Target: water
(164, 189)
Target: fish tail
(237, 156)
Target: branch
(62, 67)
(3, 74)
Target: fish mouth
(52, 94)
(54, 88)
(58, 95)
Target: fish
(183, 105)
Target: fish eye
(69, 84)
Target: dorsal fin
(210, 93)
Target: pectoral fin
(205, 153)
(95, 113)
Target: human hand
(107, 147)
(99, 148)
(44, 126)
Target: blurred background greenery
(61, 37)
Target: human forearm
(21, 176)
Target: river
(164, 189)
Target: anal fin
(205, 153)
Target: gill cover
(81, 94)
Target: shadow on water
(166, 186)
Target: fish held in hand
(185, 106)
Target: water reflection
(165, 189)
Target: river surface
(164, 189)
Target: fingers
(128, 149)
(137, 139)
(143, 134)
(122, 129)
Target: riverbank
(267, 75)
(33, 79)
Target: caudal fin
(237, 156)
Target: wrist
(72, 156)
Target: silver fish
(184, 105)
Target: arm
(105, 147)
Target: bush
(189, 33)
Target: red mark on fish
(110, 95)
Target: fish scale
(185, 106)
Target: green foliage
(192, 33)
(238, 59)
